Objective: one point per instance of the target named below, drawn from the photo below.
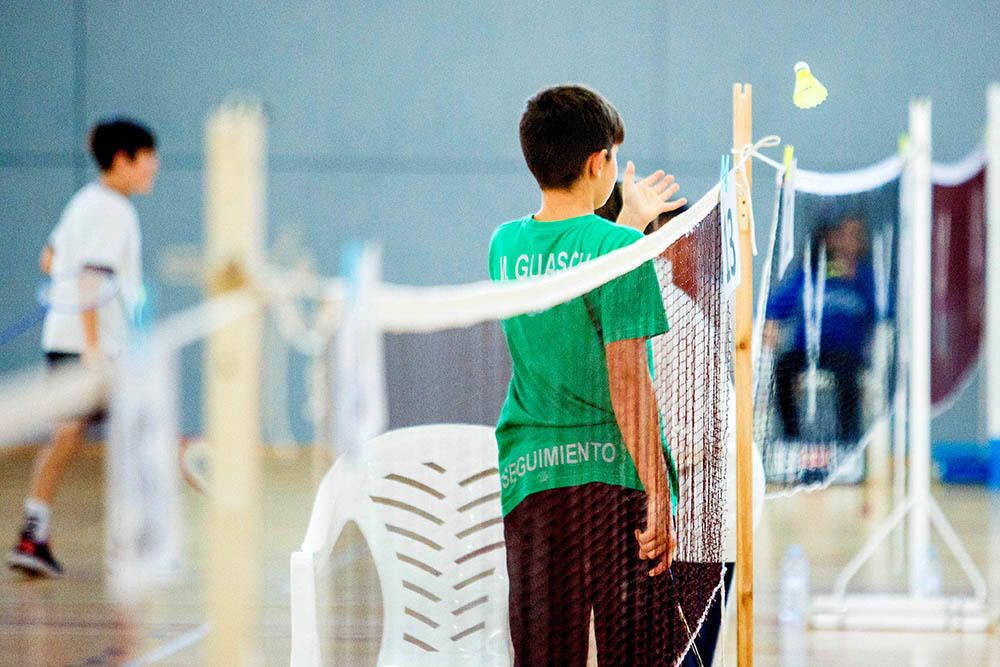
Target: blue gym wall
(397, 121)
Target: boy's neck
(115, 182)
(565, 204)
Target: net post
(322, 457)
(991, 345)
(920, 344)
(743, 380)
(234, 238)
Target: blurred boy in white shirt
(95, 261)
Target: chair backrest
(427, 500)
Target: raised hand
(643, 201)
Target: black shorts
(58, 360)
(573, 550)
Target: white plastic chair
(427, 501)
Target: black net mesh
(463, 375)
(692, 365)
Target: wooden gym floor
(72, 622)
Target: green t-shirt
(557, 427)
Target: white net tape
(399, 309)
(66, 393)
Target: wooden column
(234, 240)
(742, 132)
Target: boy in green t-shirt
(585, 490)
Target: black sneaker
(34, 558)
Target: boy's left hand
(657, 541)
(643, 201)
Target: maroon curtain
(958, 283)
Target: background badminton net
(958, 277)
(452, 366)
(825, 371)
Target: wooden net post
(742, 132)
(234, 238)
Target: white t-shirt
(98, 230)
(681, 360)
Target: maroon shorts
(573, 550)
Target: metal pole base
(912, 611)
(902, 612)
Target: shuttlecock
(808, 91)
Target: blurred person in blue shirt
(848, 320)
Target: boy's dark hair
(561, 127)
(664, 218)
(110, 137)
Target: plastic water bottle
(932, 584)
(794, 587)
(792, 646)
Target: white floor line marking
(192, 637)
(179, 643)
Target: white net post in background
(359, 405)
(919, 408)
(321, 408)
(143, 499)
(234, 232)
(991, 387)
(918, 608)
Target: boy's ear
(597, 162)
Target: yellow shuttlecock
(808, 91)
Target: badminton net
(827, 312)
(958, 278)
